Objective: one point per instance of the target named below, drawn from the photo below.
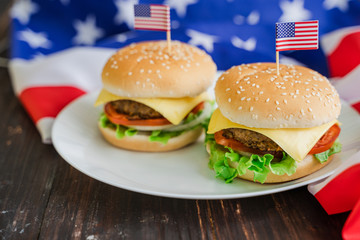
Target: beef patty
(252, 139)
(135, 110)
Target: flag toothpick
(277, 63)
(155, 17)
(168, 37)
(296, 36)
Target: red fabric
(342, 193)
(345, 57)
(351, 230)
(47, 101)
(356, 106)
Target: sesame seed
(254, 116)
(151, 62)
(310, 110)
(228, 89)
(251, 109)
(248, 82)
(130, 73)
(256, 98)
(302, 112)
(137, 82)
(277, 108)
(248, 99)
(267, 100)
(277, 102)
(239, 108)
(229, 99)
(261, 92)
(253, 84)
(284, 93)
(307, 101)
(238, 92)
(285, 101)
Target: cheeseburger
(271, 128)
(155, 100)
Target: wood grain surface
(43, 197)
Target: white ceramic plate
(179, 174)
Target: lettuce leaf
(162, 136)
(155, 136)
(324, 156)
(259, 165)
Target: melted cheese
(296, 142)
(173, 109)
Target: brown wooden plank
(27, 169)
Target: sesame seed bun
(306, 167)
(141, 143)
(146, 69)
(255, 96)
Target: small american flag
(297, 35)
(152, 17)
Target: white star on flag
(87, 32)
(125, 12)
(343, 5)
(248, 45)
(294, 11)
(35, 40)
(180, 6)
(201, 39)
(22, 10)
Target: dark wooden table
(43, 197)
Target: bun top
(255, 96)
(146, 69)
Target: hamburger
(271, 128)
(155, 101)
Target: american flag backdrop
(152, 17)
(59, 48)
(297, 36)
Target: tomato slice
(240, 147)
(198, 108)
(122, 119)
(327, 140)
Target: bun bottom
(307, 166)
(141, 142)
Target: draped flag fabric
(59, 47)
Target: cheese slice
(296, 142)
(173, 109)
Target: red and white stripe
(342, 48)
(47, 84)
(306, 37)
(159, 19)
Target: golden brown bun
(141, 142)
(255, 96)
(307, 166)
(146, 69)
